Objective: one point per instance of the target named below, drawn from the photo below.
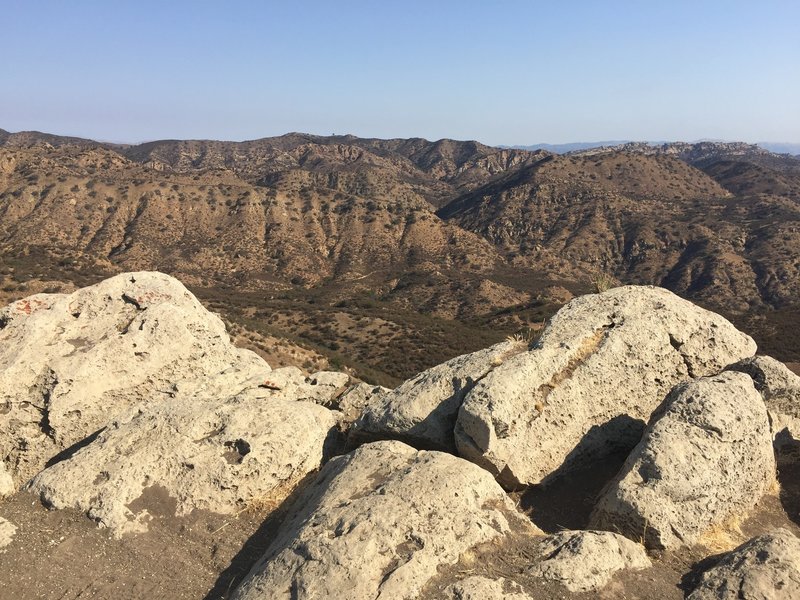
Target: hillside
(330, 240)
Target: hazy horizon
(510, 74)
(508, 145)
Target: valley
(389, 256)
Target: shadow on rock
(788, 460)
(692, 579)
(256, 546)
(565, 500)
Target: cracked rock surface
(197, 451)
(423, 409)
(378, 522)
(603, 364)
(705, 458)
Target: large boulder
(377, 523)
(69, 364)
(765, 568)
(705, 458)
(780, 389)
(602, 365)
(422, 410)
(233, 441)
(585, 561)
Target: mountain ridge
(489, 238)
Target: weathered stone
(377, 523)
(323, 387)
(352, 402)
(423, 409)
(765, 568)
(602, 365)
(780, 389)
(289, 383)
(586, 560)
(483, 588)
(197, 451)
(7, 531)
(69, 364)
(706, 457)
(6, 482)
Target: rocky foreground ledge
(629, 452)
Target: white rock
(204, 451)
(352, 402)
(706, 457)
(602, 365)
(71, 363)
(377, 523)
(585, 561)
(6, 481)
(322, 387)
(483, 588)
(765, 568)
(423, 409)
(7, 531)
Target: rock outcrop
(705, 458)
(585, 561)
(377, 523)
(69, 364)
(780, 389)
(603, 364)
(764, 568)
(422, 411)
(126, 401)
(198, 451)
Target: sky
(501, 72)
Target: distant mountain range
(455, 233)
(776, 147)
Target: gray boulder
(602, 365)
(585, 561)
(422, 410)
(780, 389)
(706, 457)
(765, 568)
(222, 446)
(70, 363)
(356, 397)
(483, 588)
(377, 523)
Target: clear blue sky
(502, 72)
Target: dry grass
(724, 536)
(602, 282)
